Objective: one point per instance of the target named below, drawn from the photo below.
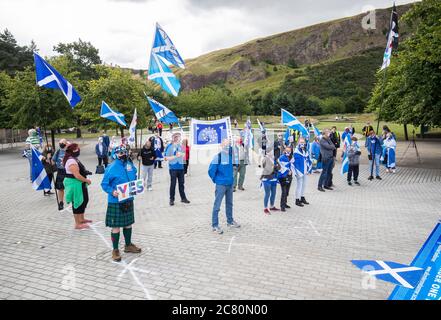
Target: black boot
(299, 203)
(303, 200)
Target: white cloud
(123, 29)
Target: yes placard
(130, 189)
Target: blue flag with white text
(48, 77)
(164, 47)
(206, 133)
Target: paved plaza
(303, 253)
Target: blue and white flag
(132, 129)
(302, 162)
(400, 274)
(344, 164)
(164, 47)
(317, 131)
(161, 112)
(248, 137)
(291, 122)
(40, 180)
(210, 133)
(48, 77)
(161, 74)
(115, 116)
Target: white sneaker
(149, 189)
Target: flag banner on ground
(400, 274)
(291, 122)
(132, 129)
(48, 77)
(161, 112)
(392, 38)
(209, 133)
(429, 259)
(115, 116)
(130, 189)
(40, 180)
(164, 47)
(161, 74)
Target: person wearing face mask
(327, 149)
(269, 181)
(303, 168)
(101, 150)
(57, 159)
(75, 185)
(48, 165)
(175, 157)
(286, 162)
(120, 214)
(148, 156)
(221, 173)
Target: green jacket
(73, 191)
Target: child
(354, 161)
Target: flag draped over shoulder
(132, 128)
(345, 162)
(40, 180)
(291, 122)
(392, 38)
(115, 116)
(48, 77)
(164, 47)
(209, 133)
(161, 112)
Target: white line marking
(313, 228)
(231, 242)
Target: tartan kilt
(118, 217)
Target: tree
(411, 93)
(333, 105)
(5, 87)
(13, 57)
(121, 91)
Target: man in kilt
(120, 214)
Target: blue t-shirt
(171, 151)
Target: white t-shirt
(70, 162)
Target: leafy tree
(12, 56)
(333, 105)
(5, 87)
(411, 92)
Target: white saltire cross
(394, 273)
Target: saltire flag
(392, 38)
(345, 162)
(161, 112)
(164, 47)
(161, 74)
(210, 133)
(400, 274)
(261, 126)
(316, 131)
(248, 139)
(115, 116)
(48, 77)
(40, 180)
(291, 122)
(287, 134)
(132, 129)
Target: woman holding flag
(303, 167)
(389, 144)
(120, 214)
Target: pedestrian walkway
(303, 253)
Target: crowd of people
(282, 161)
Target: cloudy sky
(123, 30)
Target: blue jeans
(270, 194)
(219, 194)
(326, 172)
(376, 164)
